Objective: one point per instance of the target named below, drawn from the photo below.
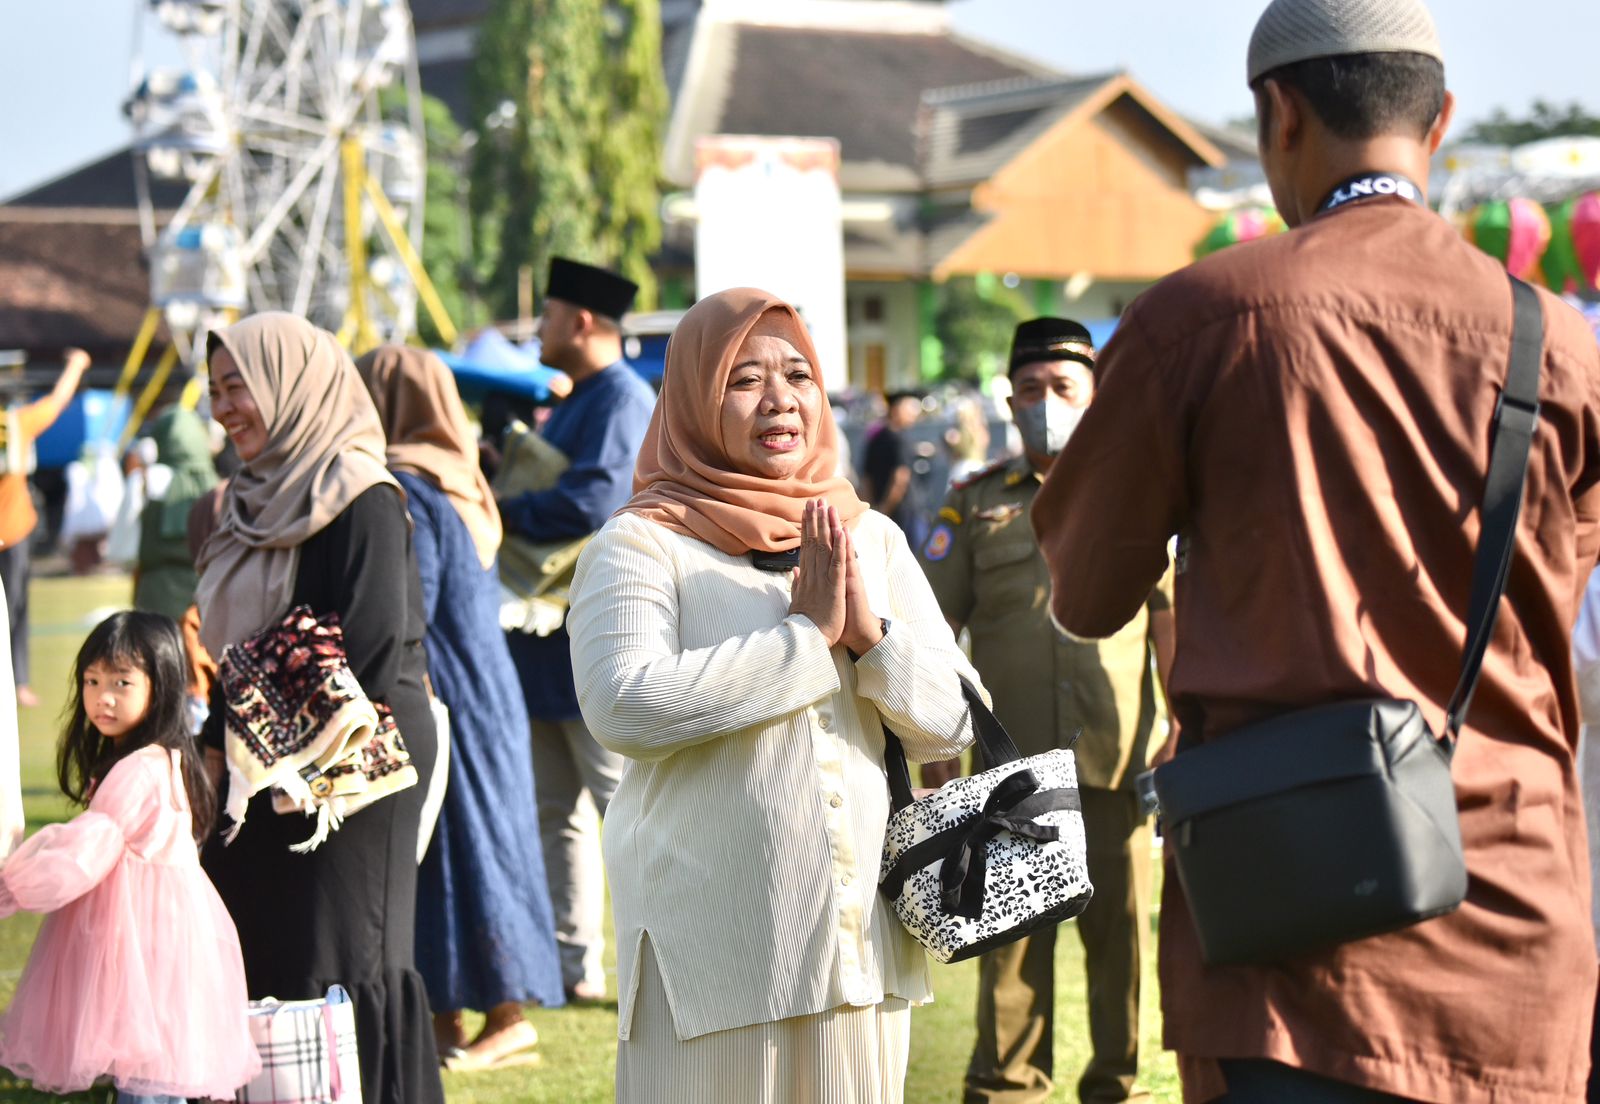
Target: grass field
(579, 1044)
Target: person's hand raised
(862, 627)
(819, 581)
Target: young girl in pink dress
(136, 973)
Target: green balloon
(1491, 229)
(1218, 237)
(1560, 266)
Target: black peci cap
(1050, 339)
(594, 289)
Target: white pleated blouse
(744, 838)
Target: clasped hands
(828, 587)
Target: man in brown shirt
(1310, 414)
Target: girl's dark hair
(152, 643)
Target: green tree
(571, 101)
(627, 157)
(1544, 120)
(534, 87)
(974, 322)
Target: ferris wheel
(296, 127)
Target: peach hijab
(684, 479)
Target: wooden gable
(1104, 191)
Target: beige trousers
(846, 1055)
(574, 778)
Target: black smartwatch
(883, 627)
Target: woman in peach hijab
(742, 631)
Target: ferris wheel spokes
(305, 188)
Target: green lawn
(578, 1044)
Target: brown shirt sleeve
(1113, 525)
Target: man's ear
(583, 322)
(1441, 123)
(1282, 119)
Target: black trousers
(15, 568)
(1257, 1081)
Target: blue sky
(66, 63)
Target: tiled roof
(70, 277)
(969, 132)
(863, 88)
(105, 183)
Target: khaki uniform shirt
(984, 564)
(1312, 414)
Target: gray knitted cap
(1296, 30)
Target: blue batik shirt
(599, 427)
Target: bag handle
(1516, 416)
(990, 735)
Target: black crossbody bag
(1339, 822)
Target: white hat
(1297, 30)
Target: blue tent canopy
(492, 363)
(90, 416)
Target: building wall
(1106, 195)
(883, 334)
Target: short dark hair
(1360, 96)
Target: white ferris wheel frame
(297, 87)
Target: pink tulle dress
(136, 972)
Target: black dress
(345, 912)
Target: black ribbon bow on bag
(1008, 809)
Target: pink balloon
(1586, 236)
(1530, 235)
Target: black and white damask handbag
(985, 860)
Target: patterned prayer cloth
(296, 718)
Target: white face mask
(1047, 425)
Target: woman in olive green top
(182, 473)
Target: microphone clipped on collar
(776, 561)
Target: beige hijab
(324, 448)
(684, 479)
(429, 435)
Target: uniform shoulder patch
(950, 514)
(939, 544)
(982, 473)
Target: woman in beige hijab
(485, 929)
(313, 517)
(742, 631)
